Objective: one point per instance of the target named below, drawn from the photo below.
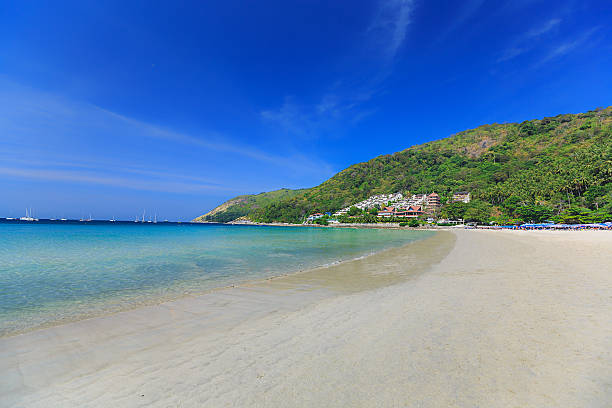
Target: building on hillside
(313, 217)
(420, 198)
(450, 222)
(413, 211)
(461, 197)
(410, 212)
(432, 202)
(387, 212)
(416, 199)
(379, 200)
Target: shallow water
(52, 273)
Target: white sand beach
(486, 318)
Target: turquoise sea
(53, 273)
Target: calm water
(51, 273)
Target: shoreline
(513, 319)
(395, 225)
(176, 297)
(84, 347)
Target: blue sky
(116, 107)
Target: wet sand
(507, 318)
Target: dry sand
(507, 319)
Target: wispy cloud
(390, 25)
(467, 10)
(543, 29)
(567, 47)
(527, 41)
(46, 137)
(341, 104)
(326, 118)
(217, 142)
(101, 167)
(510, 53)
(80, 176)
(511, 6)
(292, 119)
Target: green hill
(553, 167)
(244, 205)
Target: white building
(382, 200)
(314, 217)
(461, 197)
(379, 200)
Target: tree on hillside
(478, 211)
(595, 196)
(354, 211)
(454, 211)
(511, 204)
(534, 213)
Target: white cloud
(470, 7)
(80, 176)
(566, 47)
(49, 137)
(341, 104)
(214, 141)
(511, 53)
(390, 25)
(527, 41)
(543, 29)
(292, 119)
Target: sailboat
(112, 219)
(28, 216)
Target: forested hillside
(245, 204)
(558, 166)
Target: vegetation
(322, 221)
(557, 168)
(244, 205)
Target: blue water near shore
(51, 273)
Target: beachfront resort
(426, 209)
(391, 206)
